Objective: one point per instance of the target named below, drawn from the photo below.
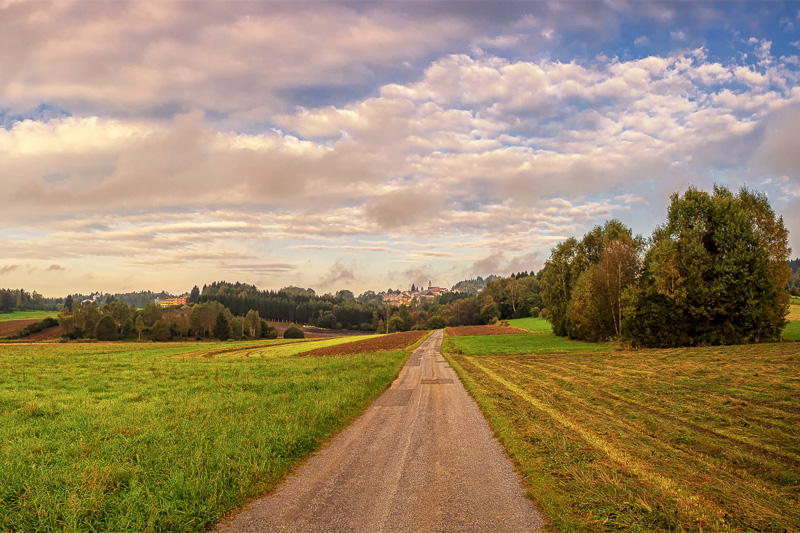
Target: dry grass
(691, 439)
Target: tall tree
(715, 274)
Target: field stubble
(690, 439)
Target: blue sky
(372, 145)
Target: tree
(252, 324)
(715, 274)
(194, 295)
(106, 329)
(558, 279)
(490, 313)
(139, 326)
(160, 331)
(396, 324)
(68, 303)
(435, 322)
(150, 313)
(222, 328)
(584, 282)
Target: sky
(372, 145)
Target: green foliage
(106, 329)
(473, 286)
(160, 331)
(435, 322)
(293, 332)
(396, 323)
(583, 282)
(490, 313)
(716, 274)
(222, 328)
(150, 313)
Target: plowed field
(393, 341)
(470, 331)
(12, 327)
(48, 334)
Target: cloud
(7, 269)
(56, 268)
(339, 275)
(403, 207)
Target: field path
(422, 458)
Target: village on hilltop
(405, 297)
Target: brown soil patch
(470, 331)
(393, 341)
(13, 327)
(49, 334)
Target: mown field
(156, 437)
(702, 439)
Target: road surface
(421, 459)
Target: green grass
(542, 340)
(684, 439)
(130, 437)
(26, 315)
(792, 331)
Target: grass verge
(690, 439)
(128, 437)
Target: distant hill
(473, 286)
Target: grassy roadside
(692, 439)
(130, 437)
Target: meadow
(154, 437)
(701, 439)
(541, 340)
(27, 315)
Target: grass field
(541, 340)
(702, 439)
(26, 315)
(792, 331)
(155, 437)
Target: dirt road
(422, 458)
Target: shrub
(293, 332)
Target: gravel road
(421, 459)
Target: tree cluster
(117, 320)
(715, 273)
(20, 300)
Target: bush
(30, 329)
(293, 332)
(435, 322)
